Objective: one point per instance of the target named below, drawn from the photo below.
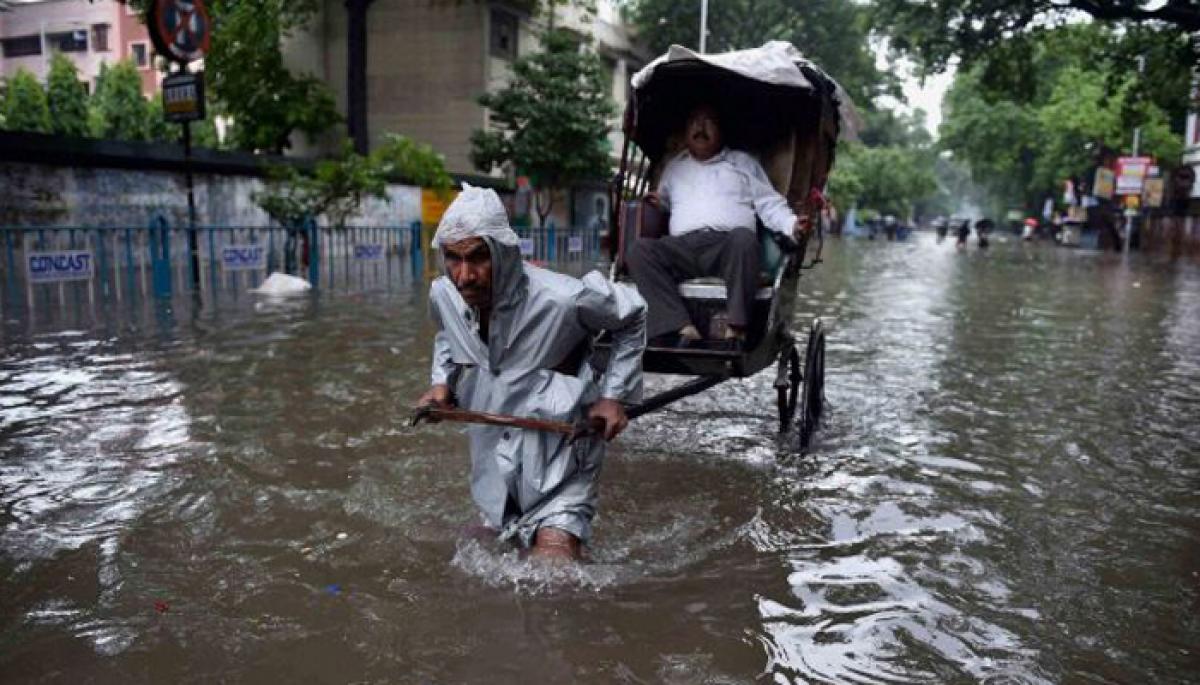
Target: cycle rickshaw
(785, 110)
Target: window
(100, 37)
(140, 52)
(22, 46)
(503, 43)
(68, 41)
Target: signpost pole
(181, 32)
(193, 242)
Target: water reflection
(1005, 491)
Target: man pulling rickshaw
(547, 367)
(515, 339)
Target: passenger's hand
(653, 199)
(613, 414)
(438, 396)
(802, 228)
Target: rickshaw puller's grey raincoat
(521, 479)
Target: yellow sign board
(1105, 184)
(433, 205)
(1152, 191)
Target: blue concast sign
(243, 258)
(52, 267)
(369, 252)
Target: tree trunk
(356, 73)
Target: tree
(889, 180)
(551, 121)
(402, 158)
(938, 30)
(336, 188)
(832, 33)
(158, 129)
(1021, 147)
(67, 98)
(118, 109)
(246, 74)
(248, 82)
(25, 106)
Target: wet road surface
(1005, 490)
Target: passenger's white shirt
(723, 192)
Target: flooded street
(1006, 489)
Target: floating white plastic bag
(278, 284)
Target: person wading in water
(515, 339)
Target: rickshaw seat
(770, 260)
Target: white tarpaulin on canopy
(777, 62)
(774, 62)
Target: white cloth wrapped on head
(475, 213)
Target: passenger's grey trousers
(658, 265)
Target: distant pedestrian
(964, 232)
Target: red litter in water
(161, 606)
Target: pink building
(89, 33)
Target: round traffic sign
(180, 29)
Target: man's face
(469, 264)
(703, 135)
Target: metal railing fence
(48, 265)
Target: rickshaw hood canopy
(776, 63)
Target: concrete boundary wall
(48, 180)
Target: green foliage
(25, 107)
(159, 129)
(889, 180)
(551, 121)
(247, 80)
(67, 98)
(832, 33)
(246, 74)
(118, 110)
(335, 189)
(936, 31)
(1084, 103)
(403, 158)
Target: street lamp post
(703, 24)
(1137, 139)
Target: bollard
(551, 244)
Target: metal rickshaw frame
(803, 125)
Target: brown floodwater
(1006, 489)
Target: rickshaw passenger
(713, 194)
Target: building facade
(89, 33)
(428, 62)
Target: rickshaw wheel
(787, 384)
(812, 400)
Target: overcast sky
(926, 96)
